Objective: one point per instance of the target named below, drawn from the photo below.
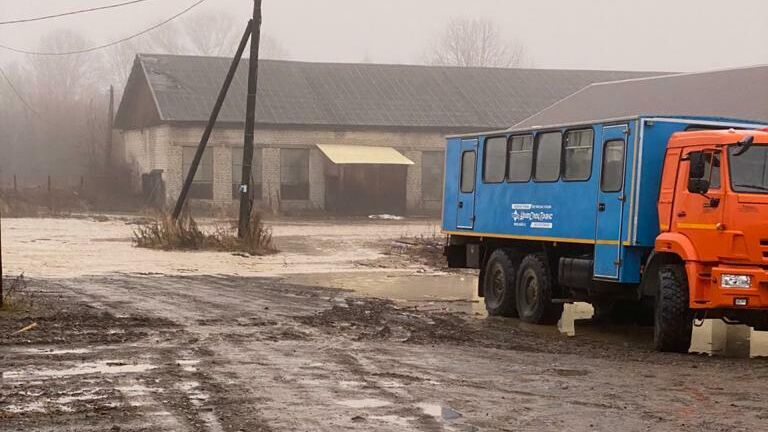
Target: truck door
(465, 218)
(611, 201)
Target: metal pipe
(212, 122)
(246, 202)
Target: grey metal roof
(363, 95)
(733, 93)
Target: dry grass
(185, 234)
(16, 296)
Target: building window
(202, 185)
(495, 161)
(578, 154)
(432, 166)
(468, 162)
(549, 150)
(237, 173)
(520, 158)
(612, 178)
(294, 174)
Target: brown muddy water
(458, 293)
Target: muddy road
(206, 342)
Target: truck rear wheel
(499, 279)
(534, 292)
(673, 319)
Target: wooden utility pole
(212, 122)
(246, 202)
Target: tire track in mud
(259, 354)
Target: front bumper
(707, 292)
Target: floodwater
(458, 293)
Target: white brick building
(303, 107)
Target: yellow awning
(353, 154)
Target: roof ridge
(682, 74)
(409, 65)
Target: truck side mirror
(698, 165)
(698, 186)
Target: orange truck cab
(713, 215)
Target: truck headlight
(735, 281)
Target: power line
(18, 95)
(75, 12)
(107, 45)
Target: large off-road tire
(534, 291)
(673, 319)
(499, 278)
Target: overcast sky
(670, 35)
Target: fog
(61, 126)
(680, 35)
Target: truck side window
(468, 160)
(549, 151)
(712, 169)
(495, 161)
(578, 154)
(612, 177)
(520, 158)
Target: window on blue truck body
(520, 158)
(549, 152)
(468, 159)
(612, 177)
(495, 162)
(577, 163)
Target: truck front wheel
(673, 319)
(534, 292)
(499, 284)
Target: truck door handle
(682, 214)
(601, 207)
(461, 204)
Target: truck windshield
(749, 171)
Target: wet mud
(319, 339)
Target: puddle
(364, 403)
(403, 422)
(102, 367)
(52, 351)
(34, 407)
(439, 411)
(454, 292)
(188, 365)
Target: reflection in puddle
(457, 292)
(439, 411)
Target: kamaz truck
(663, 218)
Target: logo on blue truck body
(532, 216)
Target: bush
(184, 234)
(16, 297)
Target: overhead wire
(75, 12)
(107, 45)
(17, 93)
